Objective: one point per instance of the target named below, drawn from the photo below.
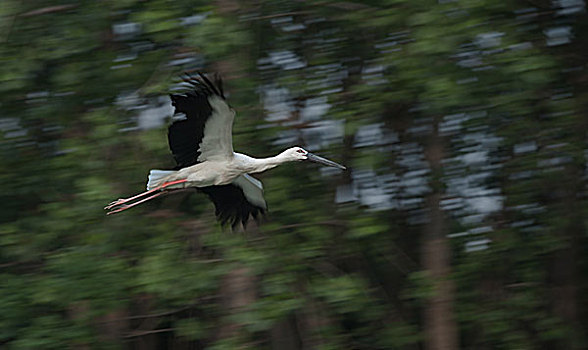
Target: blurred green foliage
(314, 274)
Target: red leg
(161, 187)
(124, 200)
(127, 206)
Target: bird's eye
(300, 151)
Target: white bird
(202, 146)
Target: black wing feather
(218, 82)
(209, 84)
(231, 205)
(184, 136)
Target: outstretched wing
(206, 132)
(238, 201)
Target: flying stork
(202, 147)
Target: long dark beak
(324, 161)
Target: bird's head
(298, 153)
(295, 154)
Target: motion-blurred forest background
(461, 222)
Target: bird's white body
(223, 172)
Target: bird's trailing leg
(126, 203)
(122, 207)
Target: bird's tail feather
(156, 177)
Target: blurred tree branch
(49, 9)
(144, 333)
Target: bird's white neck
(263, 164)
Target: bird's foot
(122, 206)
(122, 201)
(118, 210)
(115, 203)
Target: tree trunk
(283, 335)
(238, 290)
(564, 270)
(439, 319)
